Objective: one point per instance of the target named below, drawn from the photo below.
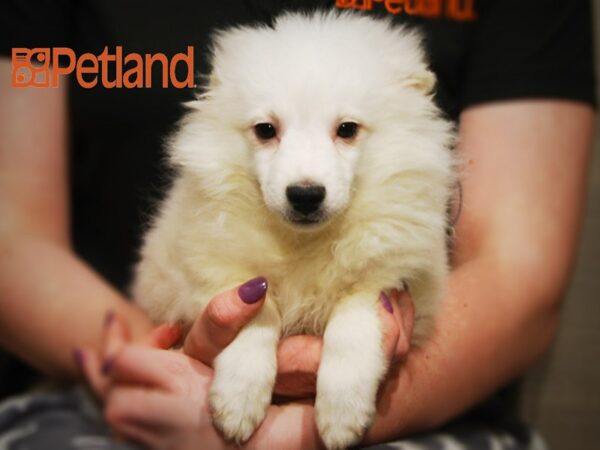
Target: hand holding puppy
(160, 397)
(298, 357)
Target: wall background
(562, 393)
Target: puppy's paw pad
(237, 414)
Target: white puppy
(317, 159)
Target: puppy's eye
(347, 130)
(265, 131)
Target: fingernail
(108, 318)
(107, 366)
(253, 290)
(78, 357)
(405, 286)
(386, 302)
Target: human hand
(298, 357)
(159, 397)
(182, 385)
(212, 331)
(95, 364)
(151, 395)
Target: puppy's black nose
(305, 199)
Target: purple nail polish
(386, 302)
(108, 318)
(78, 357)
(253, 290)
(107, 366)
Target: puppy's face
(306, 100)
(305, 162)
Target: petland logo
(31, 68)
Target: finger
(162, 421)
(223, 318)
(407, 314)
(90, 365)
(162, 369)
(163, 336)
(114, 337)
(390, 319)
(154, 409)
(137, 433)
(298, 359)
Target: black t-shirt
(481, 50)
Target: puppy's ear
(423, 81)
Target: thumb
(223, 318)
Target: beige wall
(562, 394)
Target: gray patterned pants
(69, 420)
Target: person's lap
(69, 419)
(58, 420)
(469, 435)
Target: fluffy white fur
(225, 220)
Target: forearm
(52, 302)
(485, 337)
(523, 178)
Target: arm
(42, 282)
(524, 179)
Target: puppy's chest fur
(302, 290)
(201, 244)
(198, 248)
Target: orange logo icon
(31, 67)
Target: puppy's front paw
(238, 405)
(345, 408)
(242, 386)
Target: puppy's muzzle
(305, 200)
